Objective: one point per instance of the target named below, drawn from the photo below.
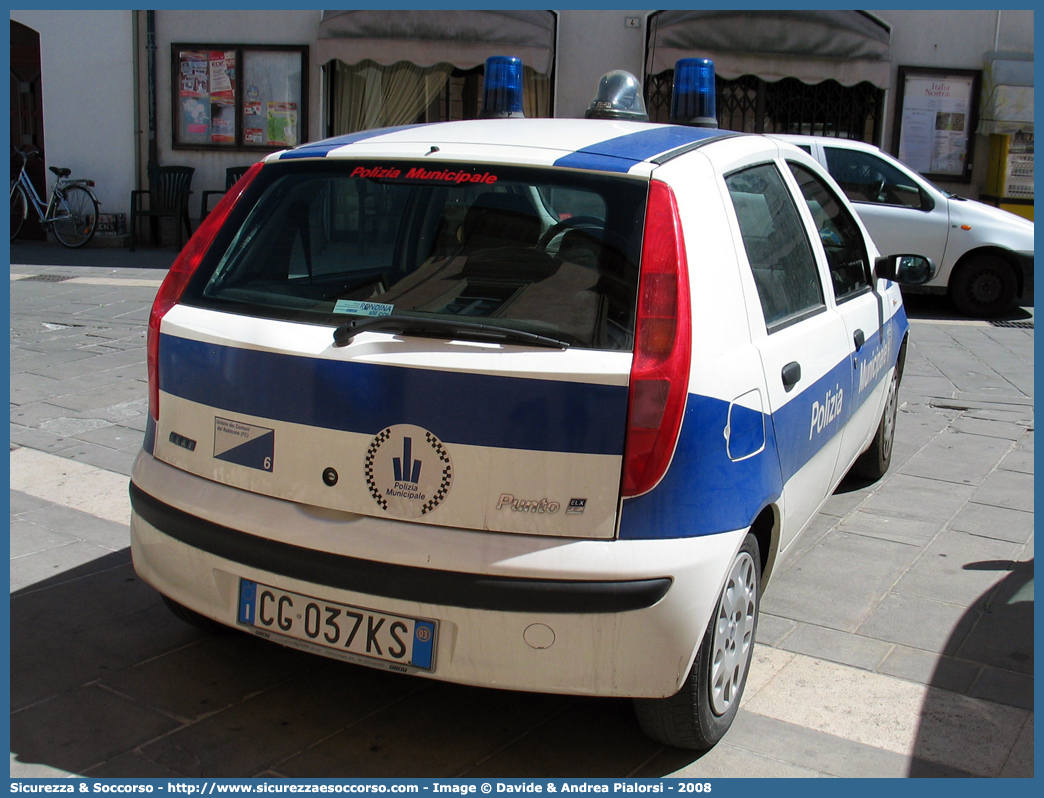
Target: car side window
(864, 177)
(777, 246)
(840, 234)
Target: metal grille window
(752, 105)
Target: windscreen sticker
(357, 308)
(244, 444)
(419, 173)
(408, 471)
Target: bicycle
(71, 212)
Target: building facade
(219, 89)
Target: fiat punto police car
(537, 404)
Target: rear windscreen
(537, 250)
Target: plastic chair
(232, 175)
(168, 195)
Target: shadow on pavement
(997, 631)
(105, 682)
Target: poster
(282, 124)
(935, 123)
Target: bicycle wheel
(76, 217)
(18, 210)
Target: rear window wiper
(441, 328)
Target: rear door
(479, 378)
(802, 341)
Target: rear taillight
(179, 275)
(662, 347)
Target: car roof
(830, 141)
(596, 144)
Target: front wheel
(983, 287)
(699, 714)
(76, 217)
(18, 210)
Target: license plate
(355, 634)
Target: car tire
(873, 463)
(699, 714)
(983, 287)
(202, 622)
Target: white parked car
(532, 404)
(984, 255)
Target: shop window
(239, 96)
(369, 95)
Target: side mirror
(905, 269)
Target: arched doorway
(27, 110)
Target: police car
(538, 404)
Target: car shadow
(939, 308)
(106, 682)
(995, 632)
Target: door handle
(859, 338)
(791, 375)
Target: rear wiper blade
(414, 325)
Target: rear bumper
(624, 617)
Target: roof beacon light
(502, 88)
(694, 102)
(619, 96)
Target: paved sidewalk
(897, 641)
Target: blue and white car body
(476, 508)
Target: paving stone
(1003, 631)
(29, 538)
(835, 646)
(1009, 489)
(1018, 460)
(215, 673)
(23, 502)
(912, 531)
(919, 623)
(915, 665)
(77, 730)
(76, 525)
(958, 568)
(277, 724)
(838, 583)
(919, 498)
(1020, 761)
(772, 629)
(42, 566)
(989, 429)
(998, 523)
(958, 457)
(725, 761)
(821, 752)
(1004, 687)
(117, 461)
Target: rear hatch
(415, 340)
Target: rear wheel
(873, 463)
(76, 217)
(983, 287)
(699, 714)
(18, 209)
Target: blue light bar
(694, 101)
(502, 88)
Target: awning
(812, 46)
(1007, 93)
(462, 38)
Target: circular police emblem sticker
(408, 471)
